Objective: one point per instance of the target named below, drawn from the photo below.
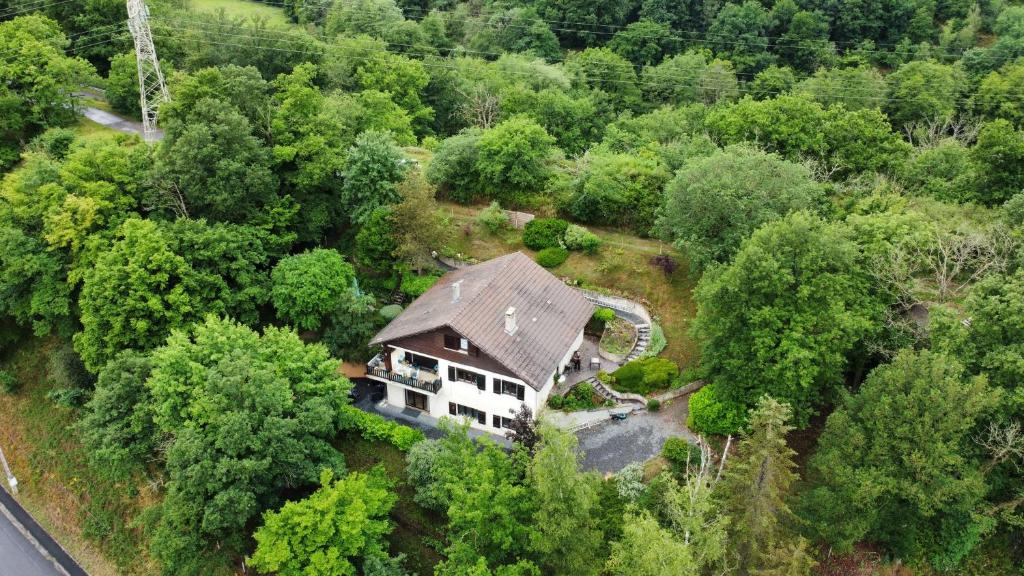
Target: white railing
(617, 303)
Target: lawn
(87, 513)
(621, 265)
(415, 527)
(86, 128)
(274, 15)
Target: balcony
(418, 379)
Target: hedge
(645, 375)
(541, 233)
(551, 257)
(711, 414)
(375, 427)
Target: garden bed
(580, 397)
(618, 339)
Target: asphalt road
(18, 557)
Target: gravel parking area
(610, 446)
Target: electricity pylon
(152, 89)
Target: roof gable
(549, 314)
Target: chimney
(510, 321)
(456, 291)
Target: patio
(587, 351)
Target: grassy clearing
(86, 512)
(86, 128)
(242, 9)
(622, 264)
(415, 527)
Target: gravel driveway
(610, 446)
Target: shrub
(645, 375)
(493, 218)
(603, 314)
(653, 405)
(414, 286)
(68, 397)
(677, 450)
(711, 414)
(579, 238)
(66, 370)
(541, 233)
(551, 257)
(667, 263)
(8, 383)
(374, 427)
(390, 312)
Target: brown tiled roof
(549, 314)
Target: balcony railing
(431, 386)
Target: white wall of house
(470, 395)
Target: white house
(482, 342)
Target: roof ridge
(465, 304)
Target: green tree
(998, 94)
(376, 244)
(512, 159)
(249, 417)
(374, 167)
(677, 80)
(647, 549)
(354, 17)
(37, 81)
(311, 134)
(33, 287)
(644, 42)
(344, 521)
(781, 318)
(589, 18)
(517, 29)
(895, 464)
(757, 484)
(855, 88)
(135, 294)
(454, 168)
(739, 34)
(923, 91)
(944, 171)
(999, 155)
(620, 190)
(122, 89)
(805, 44)
(567, 537)
(714, 203)
(349, 328)
(117, 423)
(309, 286)
(574, 122)
(602, 70)
(772, 81)
(211, 162)
(419, 226)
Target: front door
(416, 400)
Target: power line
(845, 95)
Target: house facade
(482, 342)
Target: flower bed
(618, 339)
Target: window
(423, 362)
(461, 375)
(452, 342)
(501, 421)
(460, 410)
(509, 388)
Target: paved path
(19, 555)
(115, 122)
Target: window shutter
(497, 421)
(497, 386)
(481, 417)
(451, 408)
(451, 373)
(481, 382)
(520, 392)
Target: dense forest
(839, 187)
